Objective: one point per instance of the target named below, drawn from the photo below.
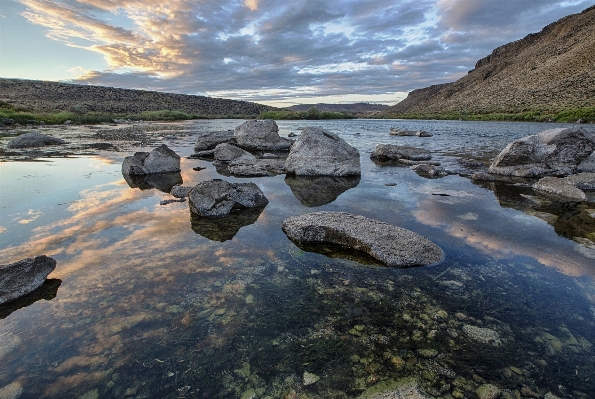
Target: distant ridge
(352, 109)
(553, 70)
(44, 96)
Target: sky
(275, 52)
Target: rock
(470, 163)
(218, 198)
(588, 164)
(551, 152)
(268, 155)
(202, 154)
(252, 167)
(487, 391)
(33, 140)
(429, 171)
(411, 163)
(550, 395)
(391, 245)
(483, 335)
(160, 160)
(7, 121)
(292, 134)
(394, 131)
(318, 152)
(315, 191)
(22, 277)
(47, 292)
(226, 153)
(558, 189)
(388, 152)
(583, 181)
(11, 391)
(405, 388)
(68, 122)
(481, 176)
(310, 378)
(171, 201)
(210, 140)
(180, 191)
(261, 136)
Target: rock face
(261, 136)
(209, 140)
(391, 152)
(34, 140)
(391, 245)
(218, 198)
(313, 191)
(429, 171)
(318, 152)
(395, 131)
(23, 277)
(559, 189)
(160, 160)
(551, 152)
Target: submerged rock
(22, 277)
(318, 152)
(315, 191)
(310, 378)
(551, 152)
(405, 388)
(389, 152)
(218, 197)
(261, 136)
(209, 140)
(483, 335)
(33, 140)
(558, 189)
(487, 391)
(160, 160)
(429, 171)
(391, 245)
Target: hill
(544, 73)
(358, 109)
(52, 97)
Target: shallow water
(150, 303)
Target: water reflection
(226, 227)
(313, 191)
(47, 291)
(161, 181)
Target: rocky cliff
(43, 96)
(553, 70)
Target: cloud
(303, 47)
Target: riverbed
(149, 302)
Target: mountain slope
(553, 70)
(352, 109)
(43, 96)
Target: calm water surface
(147, 302)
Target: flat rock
(261, 136)
(209, 140)
(559, 189)
(429, 171)
(551, 152)
(482, 335)
(218, 197)
(33, 140)
(391, 245)
(389, 152)
(318, 152)
(160, 160)
(22, 277)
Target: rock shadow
(47, 291)
(336, 251)
(161, 181)
(313, 191)
(224, 228)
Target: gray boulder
(391, 245)
(225, 153)
(429, 171)
(551, 152)
(209, 140)
(318, 152)
(261, 136)
(22, 277)
(180, 191)
(395, 131)
(218, 198)
(160, 160)
(584, 181)
(391, 152)
(559, 189)
(33, 140)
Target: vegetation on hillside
(311, 114)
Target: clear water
(147, 303)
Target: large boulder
(261, 136)
(160, 160)
(225, 153)
(552, 152)
(209, 140)
(218, 197)
(34, 140)
(559, 189)
(318, 152)
(391, 245)
(391, 152)
(22, 277)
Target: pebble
(310, 378)
(487, 391)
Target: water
(146, 302)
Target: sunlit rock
(391, 245)
(160, 160)
(318, 152)
(22, 277)
(260, 136)
(209, 140)
(34, 140)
